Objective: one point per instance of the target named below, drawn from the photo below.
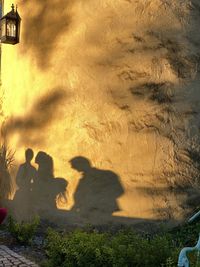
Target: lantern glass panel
(3, 27)
(11, 28)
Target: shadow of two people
(38, 189)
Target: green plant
(131, 249)
(93, 249)
(6, 162)
(169, 263)
(23, 231)
(77, 249)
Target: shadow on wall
(97, 191)
(95, 198)
(44, 26)
(38, 189)
(184, 195)
(42, 113)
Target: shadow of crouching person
(97, 191)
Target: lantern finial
(13, 8)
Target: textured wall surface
(112, 85)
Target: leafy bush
(130, 249)
(23, 231)
(77, 249)
(6, 162)
(186, 235)
(124, 249)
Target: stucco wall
(115, 82)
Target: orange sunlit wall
(68, 89)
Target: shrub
(23, 231)
(6, 162)
(77, 249)
(124, 249)
(131, 249)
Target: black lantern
(10, 27)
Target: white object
(182, 259)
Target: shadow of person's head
(81, 164)
(45, 163)
(29, 155)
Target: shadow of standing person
(97, 192)
(25, 179)
(47, 189)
